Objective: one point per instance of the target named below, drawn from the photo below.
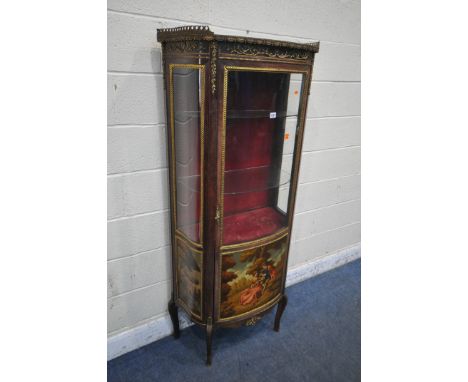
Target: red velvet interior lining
(247, 225)
(251, 225)
(250, 141)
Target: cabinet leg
(209, 338)
(279, 311)
(172, 307)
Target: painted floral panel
(251, 278)
(189, 277)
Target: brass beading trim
(257, 310)
(224, 122)
(232, 248)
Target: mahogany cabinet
(236, 109)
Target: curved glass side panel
(261, 109)
(187, 111)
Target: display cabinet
(236, 109)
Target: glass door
(261, 116)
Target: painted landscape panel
(251, 278)
(189, 277)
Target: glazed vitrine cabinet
(236, 110)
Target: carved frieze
(186, 46)
(266, 51)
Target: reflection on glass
(261, 122)
(187, 111)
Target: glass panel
(187, 112)
(262, 111)
(291, 125)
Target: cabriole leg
(209, 338)
(279, 312)
(174, 317)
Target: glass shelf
(186, 115)
(239, 114)
(252, 114)
(254, 179)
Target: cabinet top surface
(203, 33)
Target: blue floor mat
(319, 340)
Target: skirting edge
(161, 327)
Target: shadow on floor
(319, 340)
